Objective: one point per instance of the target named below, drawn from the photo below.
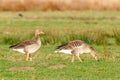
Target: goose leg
(30, 58)
(79, 58)
(27, 56)
(72, 58)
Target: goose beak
(42, 32)
(37, 31)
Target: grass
(100, 30)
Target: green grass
(99, 29)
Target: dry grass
(62, 5)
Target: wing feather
(71, 45)
(22, 44)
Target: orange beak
(42, 32)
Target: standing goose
(77, 47)
(29, 47)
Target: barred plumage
(71, 45)
(77, 47)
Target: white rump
(19, 50)
(64, 51)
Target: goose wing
(22, 44)
(71, 45)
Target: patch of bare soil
(43, 64)
(18, 60)
(60, 66)
(22, 69)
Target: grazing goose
(77, 47)
(29, 47)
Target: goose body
(29, 47)
(77, 47)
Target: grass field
(99, 29)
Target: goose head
(38, 32)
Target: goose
(76, 48)
(30, 46)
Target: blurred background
(59, 5)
